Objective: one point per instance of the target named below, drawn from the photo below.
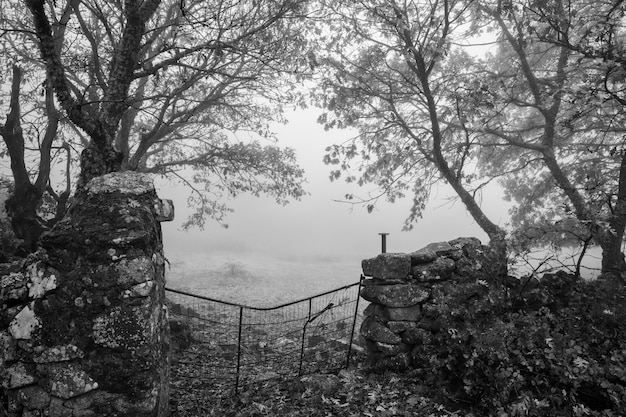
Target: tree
(166, 87)
(536, 115)
(551, 108)
(392, 72)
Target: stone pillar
(83, 327)
(410, 297)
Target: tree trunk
(611, 240)
(96, 161)
(22, 203)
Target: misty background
(271, 253)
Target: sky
(318, 228)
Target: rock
(422, 256)
(140, 290)
(411, 313)
(416, 336)
(41, 281)
(398, 295)
(126, 182)
(438, 270)
(24, 324)
(163, 210)
(376, 332)
(59, 353)
(17, 375)
(462, 242)
(440, 248)
(399, 326)
(13, 286)
(34, 396)
(387, 266)
(7, 348)
(66, 380)
(375, 310)
(127, 328)
(392, 350)
(467, 268)
(134, 271)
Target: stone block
(416, 336)
(126, 182)
(399, 326)
(7, 348)
(375, 310)
(411, 313)
(387, 266)
(58, 353)
(19, 375)
(462, 242)
(127, 328)
(392, 349)
(377, 332)
(398, 295)
(13, 286)
(24, 324)
(34, 397)
(440, 248)
(422, 256)
(163, 210)
(135, 271)
(438, 270)
(66, 380)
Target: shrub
(566, 358)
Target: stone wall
(409, 296)
(83, 327)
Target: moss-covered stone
(84, 332)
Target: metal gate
(220, 347)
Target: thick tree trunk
(96, 161)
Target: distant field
(257, 280)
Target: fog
(318, 229)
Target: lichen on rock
(16, 376)
(123, 182)
(67, 380)
(25, 323)
(58, 353)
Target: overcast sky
(318, 228)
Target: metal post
(304, 336)
(383, 239)
(239, 349)
(356, 314)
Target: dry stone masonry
(83, 327)
(409, 293)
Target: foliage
(185, 90)
(555, 347)
(387, 71)
(552, 117)
(541, 112)
(352, 393)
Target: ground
(351, 393)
